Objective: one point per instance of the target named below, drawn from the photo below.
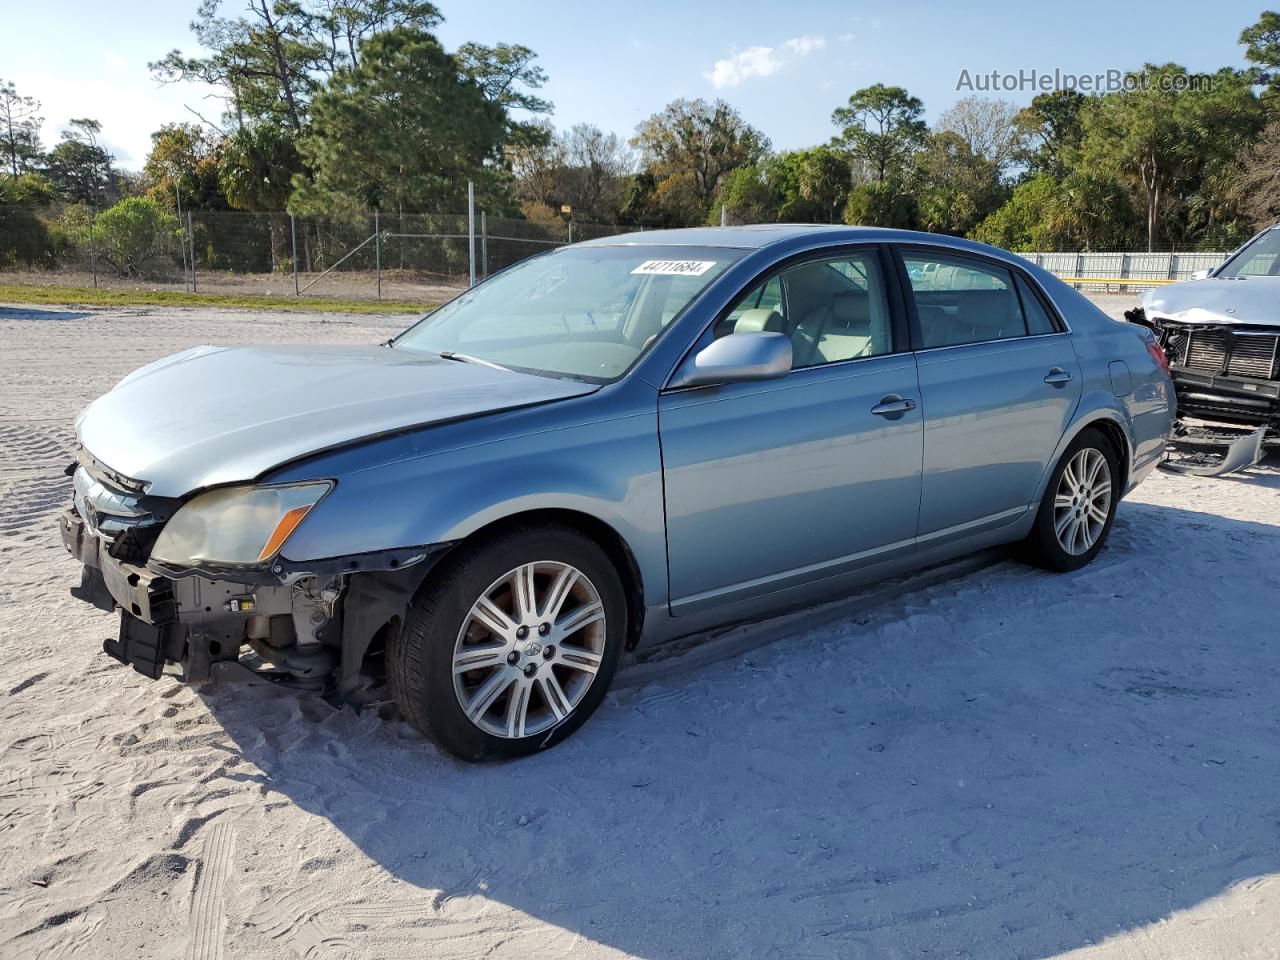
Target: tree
(182, 168)
(990, 128)
(19, 129)
(881, 204)
(1054, 120)
(1024, 222)
(1166, 137)
(403, 130)
(1262, 48)
(688, 148)
(1082, 212)
(270, 62)
(27, 188)
(133, 234)
(747, 196)
(956, 188)
(823, 182)
(79, 168)
(256, 167)
(1092, 211)
(265, 62)
(881, 127)
(595, 166)
(24, 236)
(508, 76)
(1255, 181)
(537, 164)
(340, 26)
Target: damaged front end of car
(1226, 376)
(248, 616)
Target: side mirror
(1201, 274)
(737, 358)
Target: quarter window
(967, 301)
(1038, 319)
(833, 310)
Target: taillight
(1158, 355)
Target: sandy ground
(998, 763)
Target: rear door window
(960, 300)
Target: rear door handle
(1057, 376)
(893, 406)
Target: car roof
(758, 235)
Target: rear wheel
(511, 646)
(1078, 507)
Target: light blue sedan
(614, 444)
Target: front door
(999, 381)
(775, 483)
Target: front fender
(608, 469)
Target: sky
(785, 66)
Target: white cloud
(803, 46)
(115, 62)
(762, 61)
(848, 37)
(751, 62)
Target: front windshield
(585, 312)
(1259, 259)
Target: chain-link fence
(419, 257)
(406, 257)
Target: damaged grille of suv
(1242, 354)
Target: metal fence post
(724, 215)
(571, 231)
(191, 238)
(484, 244)
(93, 259)
(377, 252)
(471, 232)
(293, 234)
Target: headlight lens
(236, 525)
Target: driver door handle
(1057, 376)
(893, 406)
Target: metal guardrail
(1120, 268)
(1115, 281)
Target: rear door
(999, 382)
(782, 482)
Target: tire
(1084, 531)
(548, 677)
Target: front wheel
(1078, 507)
(512, 645)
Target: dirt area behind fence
(397, 285)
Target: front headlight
(238, 526)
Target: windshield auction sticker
(675, 268)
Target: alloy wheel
(1083, 501)
(528, 649)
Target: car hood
(1252, 300)
(216, 415)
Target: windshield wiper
(467, 358)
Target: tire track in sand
(208, 902)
